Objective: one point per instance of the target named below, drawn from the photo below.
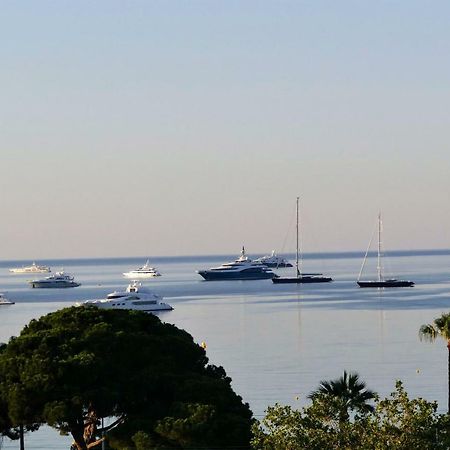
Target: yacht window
(147, 302)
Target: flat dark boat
(302, 279)
(385, 283)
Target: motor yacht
(146, 271)
(273, 260)
(58, 280)
(135, 297)
(242, 268)
(34, 268)
(5, 301)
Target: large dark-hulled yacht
(242, 268)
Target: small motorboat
(146, 271)
(4, 300)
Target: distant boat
(5, 301)
(301, 277)
(59, 280)
(242, 268)
(380, 282)
(34, 268)
(274, 260)
(146, 271)
(135, 297)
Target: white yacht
(5, 301)
(146, 271)
(59, 280)
(274, 260)
(34, 268)
(135, 297)
(242, 268)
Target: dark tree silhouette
(73, 367)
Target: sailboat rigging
(380, 282)
(301, 278)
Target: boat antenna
(296, 252)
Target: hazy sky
(189, 127)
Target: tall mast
(296, 254)
(379, 248)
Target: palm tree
(439, 328)
(350, 391)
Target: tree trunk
(448, 374)
(21, 438)
(77, 434)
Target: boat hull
(385, 284)
(210, 275)
(26, 271)
(129, 306)
(53, 285)
(138, 276)
(301, 280)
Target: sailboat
(380, 282)
(305, 277)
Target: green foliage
(349, 393)
(76, 365)
(439, 328)
(401, 423)
(142, 441)
(396, 423)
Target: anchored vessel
(301, 277)
(59, 280)
(274, 260)
(380, 282)
(135, 297)
(242, 268)
(34, 268)
(146, 271)
(5, 301)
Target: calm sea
(275, 341)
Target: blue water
(275, 341)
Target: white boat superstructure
(58, 280)
(135, 297)
(146, 271)
(274, 260)
(34, 268)
(4, 300)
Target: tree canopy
(396, 423)
(72, 367)
(349, 391)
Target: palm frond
(428, 332)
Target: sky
(163, 128)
